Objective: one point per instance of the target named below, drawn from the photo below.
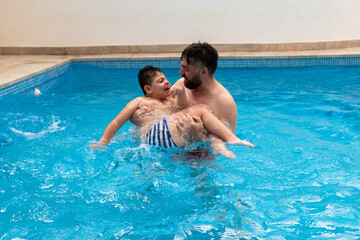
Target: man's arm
(226, 109)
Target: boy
(156, 115)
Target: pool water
(301, 181)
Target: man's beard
(194, 83)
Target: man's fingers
(197, 119)
(174, 90)
(181, 123)
(187, 123)
(186, 119)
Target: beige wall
(56, 23)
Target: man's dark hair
(201, 55)
(146, 75)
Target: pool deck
(15, 68)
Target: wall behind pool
(53, 23)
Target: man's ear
(147, 89)
(204, 70)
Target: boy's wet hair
(201, 55)
(146, 76)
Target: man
(198, 85)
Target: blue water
(302, 180)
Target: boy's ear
(147, 89)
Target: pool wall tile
(25, 87)
(288, 62)
(35, 81)
(131, 63)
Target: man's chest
(210, 101)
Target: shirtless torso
(150, 111)
(215, 97)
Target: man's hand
(191, 128)
(176, 90)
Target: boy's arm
(178, 91)
(118, 122)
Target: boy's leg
(187, 133)
(212, 123)
(219, 147)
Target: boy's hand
(96, 146)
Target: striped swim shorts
(159, 135)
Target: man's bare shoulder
(221, 92)
(226, 106)
(224, 102)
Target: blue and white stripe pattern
(159, 135)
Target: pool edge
(168, 56)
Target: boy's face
(160, 86)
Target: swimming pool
(302, 180)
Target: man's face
(190, 74)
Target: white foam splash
(204, 228)
(54, 127)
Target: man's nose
(181, 71)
